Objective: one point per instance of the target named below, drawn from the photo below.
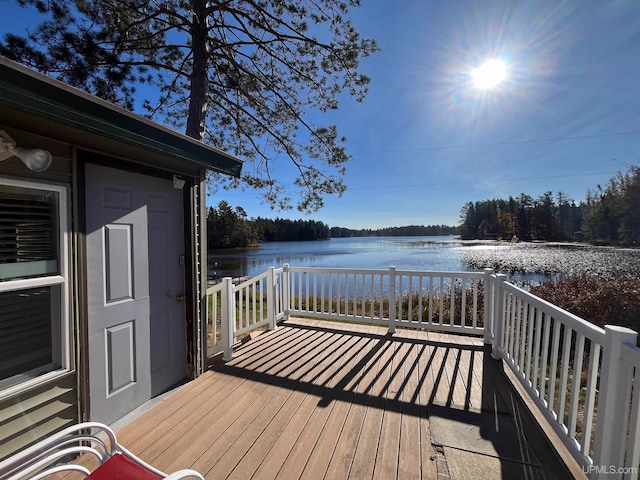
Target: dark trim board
(46, 98)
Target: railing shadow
(422, 375)
(505, 409)
(363, 364)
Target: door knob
(181, 297)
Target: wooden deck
(314, 400)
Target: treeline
(407, 231)
(281, 230)
(228, 228)
(609, 216)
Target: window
(34, 340)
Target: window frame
(60, 279)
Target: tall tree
(242, 75)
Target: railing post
(488, 305)
(286, 291)
(271, 298)
(228, 322)
(205, 325)
(392, 299)
(497, 310)
(613, 403)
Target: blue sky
(426, 141)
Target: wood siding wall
(36, 413)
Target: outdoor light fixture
(36, 159)
(178, 182)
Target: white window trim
(62, 279)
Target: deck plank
(261, 448)
(409, 455)
(323, 450)
(315, 400)
(386, 466)
(344, 453)
(374, 385)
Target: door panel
(136, 325)
(118, 263)
(121, 357)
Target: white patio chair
(57, 454)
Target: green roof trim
(37, 94)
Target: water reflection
(522, 262)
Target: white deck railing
(583, 378)
(446, 301)
(247, 306)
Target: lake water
(522, 262)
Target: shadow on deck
(316, 399)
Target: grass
(410, 306)
(247, 311)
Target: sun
(489, 74)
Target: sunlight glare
(489, 74)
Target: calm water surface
(522, 262)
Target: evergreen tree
(241, 75)
(607, 216)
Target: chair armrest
(184, 474)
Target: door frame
(191, 243)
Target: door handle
(181, 297)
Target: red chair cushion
(120, 467)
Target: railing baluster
(575, 387)
(529, 338)
(489, 295)
(555, 344)
(392, 299)
(632, 459)
(544, 367)
(362, 297)
(564, 373)
(307, 291)
(536, 373)
(239, 321)
(339, 290)
(228, 316)
(430, 320)
(329, 307)
(254, 302)
(517, 339)
(441, 313)
(508, 341)
(322, 292)
(590, 394)
(463, 303)
(474, 324)
(409, 297)
(522, 337)
(354, 295)
(372, 295)
(452, 301)
(420, 290)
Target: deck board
(313, 400)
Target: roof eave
(37, 94)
